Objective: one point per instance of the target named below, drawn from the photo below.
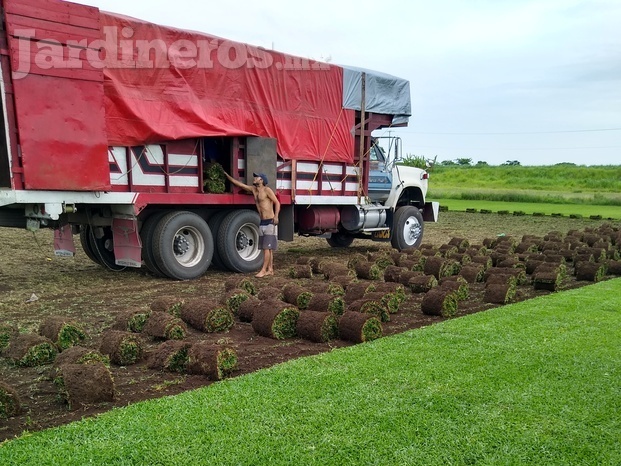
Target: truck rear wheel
(340, 240)
(238, 241)
(407, 228)
(214, 223)
(85, 241)
(102, 248)
(182, 245)
(146, 236)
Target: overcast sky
(534, 81)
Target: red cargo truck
(110, 125)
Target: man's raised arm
(239, 184)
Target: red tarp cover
(217, 87)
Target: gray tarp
(384, 93)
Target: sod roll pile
(123, 348)
(358, 327)
(164, 326)
(317, 326)
(275, 319)
(30, 350)
(215, 362)
(214, 178)
(62, 331)
(206, 315)
(10, 403)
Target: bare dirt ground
(88, 294)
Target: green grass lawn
(538, 382)
(584, 210)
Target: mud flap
(63, 242)
(127, 244)
(431, 211)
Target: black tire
(238, 241)
(182, 245)
(146, 236)
(214, 223)
(85, 241)
(407, 228)
(340, 240)
(103, 249)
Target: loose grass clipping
(165, 326)
(171, 355)
(439, 302)
(233, 299)
(62, 331)
(7, 331)
(317, 326)
(325, 302)
(10, 403)
(499, 293)
(30, 350)
(358, 327)
(131, 320)
(168, 305)
(123, 348)
(215, 362)
(275, 319)
(207, 316)
(84, 384)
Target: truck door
(380, 179)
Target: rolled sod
(80, 355)
(317, 326)
(10, 403)
(501, 279)
(296, 295)
(391, 287)
(325, 302)
(533, 263)
(334, 269)
(62, 331)
(206, 315)
(343, 280)
(472, 273)
(422, 283)
(439, 302)
(438, 267)
(499, 293)
(391, 300)
(358, 327)
(300, 271)
(233, 299)
(215, 362)
(171, 355)
(247, 309)
(590, 271)
(167, 304)
(240, 283)
(275, 319)
(335, 289)
(548, 280)
(30, 350)
(165, 326)
(355, 259)
(485, 261)
(123, 348)
(518, 273)
(408, 275)
(392, 273)
(7, 331)
(381, 259)
(214, 178)
(357, 290)
(270, 292)
(368, 271)
(460, 243)
(614, 268)
(131, 320)
(371, 306)
(84, 384)
(461, 289)
(560, 269)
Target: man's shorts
(268, 235)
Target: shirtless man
(269, 208)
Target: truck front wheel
(182, 245)
(407, 228)
(238, 241)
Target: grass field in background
(538, 382)
(529, 208)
